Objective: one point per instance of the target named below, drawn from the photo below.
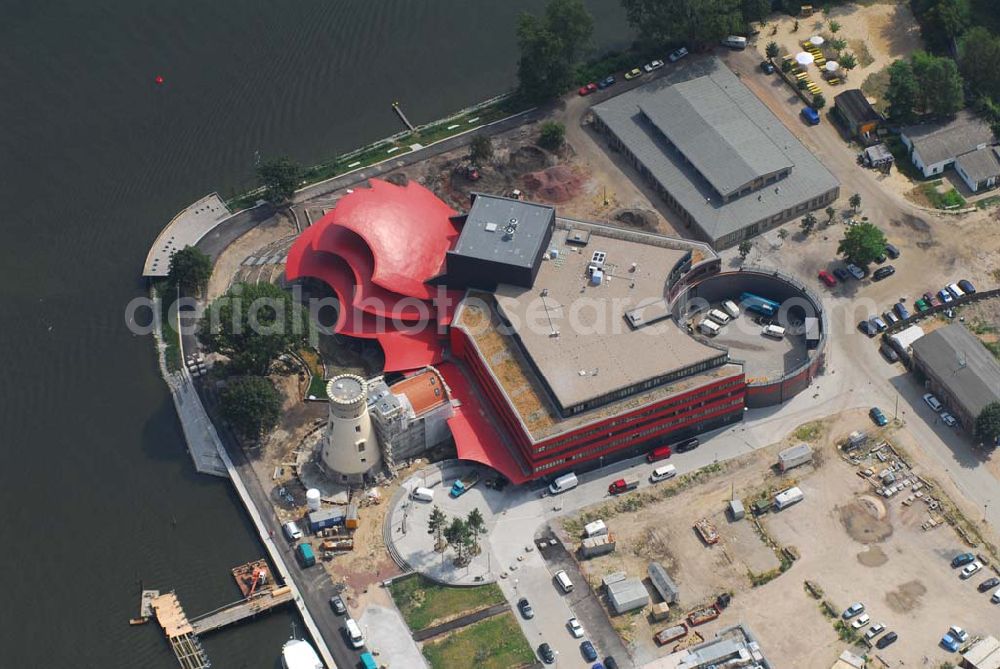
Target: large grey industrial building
(959, 370)
(715, 153)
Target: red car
(588, 89)
(827, 278)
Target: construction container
(788, 497)
(595, 529)
(736, 510)
(794, 456)
(660, 611)
(351, 519)
(663, 583)
(627, 595)
(599, 545)
(324, 518)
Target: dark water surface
(96, 490)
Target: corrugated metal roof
(960, 362)
(984, 654)
(856, 107)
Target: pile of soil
(636, 218)
(557, 184)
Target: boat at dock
(298, 654)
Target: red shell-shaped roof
(338, 250)
(408, 229)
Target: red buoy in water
(159, 79)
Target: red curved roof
(408, 229)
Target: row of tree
(462, 534)
(924, 84)
(694, 22)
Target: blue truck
(304, 554)
(464, 484)
(758, 304)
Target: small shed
(324, 518)
(877, 156)
(627, 595)
(983, 654)
(660, 611)
(736, 510)
(351, 520)
(664, 585)
(794, 456)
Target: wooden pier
(241, 610)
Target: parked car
(945, 296)
(880, 258)
(948, 419)
(874, 631)
(291, 531)
(921, 305)
(767, 67)
(996, 597)
(889, 353)
(841, 274)
(901, 311)
(673, 58)
(962, 559)
(931, 299)
(827, 278)
(861, 621)
(883, 272)
(934, 404)
(878, 417)
(866, 328)
(588, 650)
(810, 115)
(525, 608)
(575, 628)
(879, 324)
(545, 652)
(966, 286)
(610, 663)
(855, 271)
(854, 609)
(686, 445)
(950, 642)
(652, 65)
(989, 584)
(607, 82)
(338, 605)
(969, 570)
(887, 640)
(633, 73)
(891, 251)
(587, 89)
(890, 318)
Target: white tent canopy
(803, 58)
(816, 40)
(832, 66)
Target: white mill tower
(350, 449)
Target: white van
(292, 531)
(933, 403)
(563, 580)
(731, 308)
(663, 473)
(354, 633)
(955, 291)
(719, 317)
(775, 331)
(422, 494)
(735, 42)
(564, 483)
(708, 327)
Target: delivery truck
(464, 484)
(623, 485)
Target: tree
(819, 101)
(782, 234)
(550, 45)
(834, 27)
(952, 17)
(772, 50)
(808, 223)
(830, 213)
(190, 270)
(988, 424)
(252, 325)
(476, 527)
(251, 404)
(552, 135)
(903, 92)
(745, 247)
(786, 66)
(755, 11)
(980, 46)
(436, 525)
(862, 244)
(481, 149)
(855, 202)
(457, 534)
(698, 22)
(838, 44)
(939, 85)
(848, 61)
(279, 178)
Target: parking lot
(853, 543)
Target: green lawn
(172, 354)
(494, 643)
(948, 200)
(317, 387)
(423, 602)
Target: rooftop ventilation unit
(491, 227)
(598, 257)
